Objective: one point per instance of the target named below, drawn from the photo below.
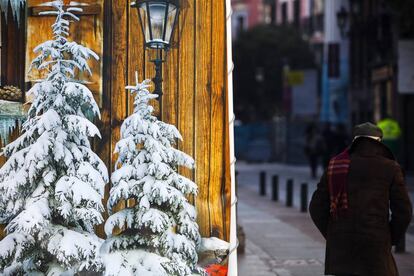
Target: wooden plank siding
(203, 111)
(119, 77)
(217, 118)
(195, 96)
(186, 86)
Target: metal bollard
(400, 246)
(304, 197)
(275, 188)
(289, 193)
(262, 187)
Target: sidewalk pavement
(283, 241)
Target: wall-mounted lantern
(158, 19)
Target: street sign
(295, 78)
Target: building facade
(307, 15)
(335, 66)
(373, 55)
(381, 73)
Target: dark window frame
(13, 50)
(296, 13)
(284, 12)
(334, 52)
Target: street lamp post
(342, 20)
(158, 19)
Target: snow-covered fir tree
(159, 235)
(52, 185)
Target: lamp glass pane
(172, 11)
(144, 20)
(157, 17)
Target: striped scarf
(337, 180)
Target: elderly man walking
(362, 207)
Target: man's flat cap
(367, 129)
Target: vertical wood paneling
(135, 59)
(203, 112)
(170, 84)
(103, 146)
(186, 89)
(194, 89)
(136, 54)
(119, 74)
(217, 173)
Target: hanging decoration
(15, 7)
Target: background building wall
(335, 68)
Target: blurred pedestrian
(392, 134)
(329, 143)
(351, 207)
(341, 139)
(313, 148)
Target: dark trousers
(313, 162)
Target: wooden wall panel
(103, 146)
(203, 112)
(136, 53)
(186, 85)
(217, 120)
(194, 99)
(119, 74)
(194, 96)
(170, 84)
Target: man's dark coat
(359, 242)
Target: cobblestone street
(280, 240)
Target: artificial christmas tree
(52, 185)
(159, 234)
